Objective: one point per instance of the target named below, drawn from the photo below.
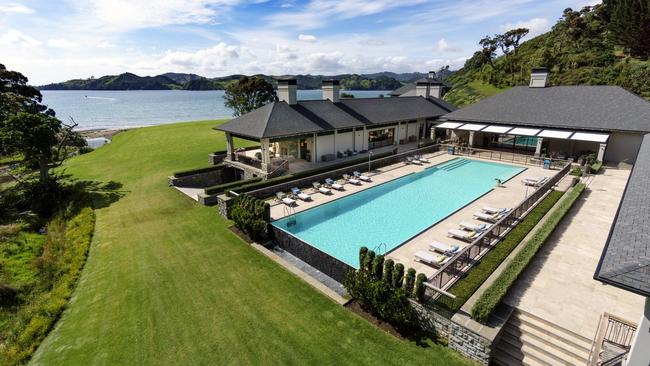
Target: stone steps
(530, 340)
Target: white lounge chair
(443, 248)
(411, 160)
(284, 199)
(488, 217)
(351, 180)
(462, 234)
(421, 159)
(535, 182)
(321, 189)
(300, 194)
(470, 226)
(333, 184)
(364, 178)
(432, 259)
(495, 210)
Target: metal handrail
(614, 330)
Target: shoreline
(102, 132)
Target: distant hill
(180, 81)
(579, 50)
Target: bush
(389, 266)
(398, 275)
(595, 167)
(8, 295)
(362, 255)
(378, 266)
(186, 173)
(577, 171)
(419, 287)
(492, 297)
(409, 281)
(370, 258)
(251, 216)
(464, 288)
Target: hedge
(464, 288)
(595, 167)
(492, 297)
(185, 173)
(224, 187)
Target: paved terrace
(509, 195)
(558, 285)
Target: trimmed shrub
(492, 297)
(464, 288)
(577, 171)
(388, 271)
(419, 286)
(370, 258)
(398, 275)
(409, 281)
(362, 255)
(595, 167)
(185, 173)
(251, 216)
(378, 266)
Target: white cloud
(105, 44)
(208, 60)
(15, 37)
(307, 38)
(536, 26)
(443, 46)
(13, 8)
(61, 43)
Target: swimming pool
(383, 217)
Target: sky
(50, 41)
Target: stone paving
(558, 285)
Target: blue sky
(52, 41)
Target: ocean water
(383, 217)
(117, 109)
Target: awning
(555, 134)
(593, 137)
(497, 129)
(524, 131)
(472, 127)
(449, 125)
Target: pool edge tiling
(386, 216)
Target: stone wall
(215, 159)
(459, 338)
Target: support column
(314, 157)
(364, 139)
(601, 152)
(229, 147)
(266, 158)
(336, 151)
(354, 139)
(471, 139)
(398, 131)
(538, 148)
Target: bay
(95, 109)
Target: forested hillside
(605, 44)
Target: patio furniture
(470, 226)
(444, 248)
(495, 210)
(284, 199)
(494, 217)
(411, 160)
(321, 189)
(421, 159)
(351, 180)
(364, 178)
(333, 184)
(431, 259)
(462, 234)
(535, 182)
(298, 193)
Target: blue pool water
(385, 216)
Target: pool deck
(511, 193)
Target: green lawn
(167, 283)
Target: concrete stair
(530, 340)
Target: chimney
(331, 90)
(539, 77)
(429, 86)
(432, 75)
(422, 88)
(287, 90)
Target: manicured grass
(166, 283)
(492, 297)
(474, 278)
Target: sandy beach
(102, 132)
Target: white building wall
(623, 147)
(359, 141)
(324, 145)
(640, 352)
(413, 129)
(401, 132)
(345, 141)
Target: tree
(247, 94)
(630, 25)
(488, 51)
(17, 96)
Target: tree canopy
(247, 94)
(629, 24)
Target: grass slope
(167, 283)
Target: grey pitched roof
(609, 108)
(280, 119)
(402, 89)
(625, 261)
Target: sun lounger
(432, 259)
(443, 248)
(333, 184)
(488, 217)
(470, 226)
(495, 210)
(351, 180)
(462, 234)
(364, 178)
(411, 160)
(284, 199)
(421, 159)
(321, 189)
(535, 182)
(298, 193)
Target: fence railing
(509, 157)
(451, 271)
(615, 331)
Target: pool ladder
(288, 211)
(378, 248)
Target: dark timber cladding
(279, 119)
(625, 262)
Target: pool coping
(393, 180)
